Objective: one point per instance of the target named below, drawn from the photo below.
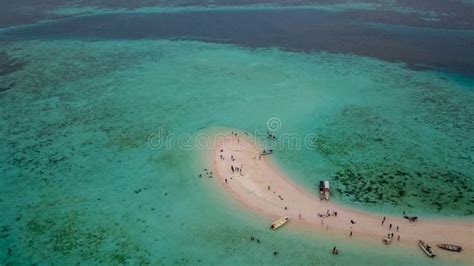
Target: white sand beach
(262, 187)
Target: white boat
(324, 190)
(266, 152)
(280, 222)
(426, 248)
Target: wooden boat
(426, 248)
(387, 239)
(450, 247)
(278, 223)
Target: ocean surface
(99, 111)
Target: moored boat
(266, 152)
(278, 223)
(324, 190)
(450, 247)
(426, 248)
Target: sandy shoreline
(261, 187)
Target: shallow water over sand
(81, 183)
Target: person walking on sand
(226, 180)
(232, 168)
(397, 228)
(398, 238)
(350, 235)
(390, 227)
(268, 188)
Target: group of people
(236, 169)
(390, 228)
(208, 173)
(327, 214)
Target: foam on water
(80, 181)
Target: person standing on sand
(350, 235)
(390, 227)
(398, 238)
(268, 188)
(397, 228)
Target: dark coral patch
(9, 65)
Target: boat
(266, 152)
(324, 190)
(280, 222)
(387, 239)
(450, 247)
(426, 248)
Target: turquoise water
(80, 181)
